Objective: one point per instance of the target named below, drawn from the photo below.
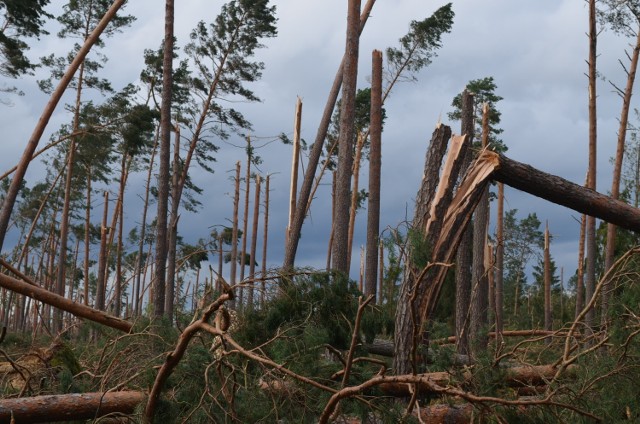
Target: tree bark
(69, 407)
(375, 164)
(233, 265)
(64, 226)
(590, 281)
(264, 240)
(609, 257)
(143, 230)
(464, 256)
(254, 242)
(164, 159)
(78, 309)
(407, 318)
(316, 152)
(172, 230)
(32, 144)
(562, 192)
(102, 257)
(355, 172)
(295, 160)
(548, 318)
(340, 253)
(245, 222)
(480, 280)
(499, 268)
(580, 271)
(87, 241)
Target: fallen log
(385, 348)
(562, 192)
(69, 407)
(61, 302)
(511, 333)
(518, 376)
(442, 413)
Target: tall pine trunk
(499, 269)
(609, 257)
(464, 257)
(234, 233)
(590, 281)
(375, 163)
(316, 152)
(480, 280)
(143, 225)
(264, 241)
(102, 256)
(340, 253)
(172, 245)
(254, 241)
(164, 159)
(245, 221)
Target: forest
(114, 309)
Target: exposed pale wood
(295, 160)
(69, 407)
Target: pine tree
(22, 19)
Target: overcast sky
(535, 50)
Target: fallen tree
(38, 293)
(385, 347)
(562, 192)
(69, 407)
(442, 232)
(516, 376)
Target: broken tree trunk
(419, 298)
(406, 315)
(562, 192)
(69, 407)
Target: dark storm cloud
(534, 50)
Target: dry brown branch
(261, 359)
(354, 337)
(433, 387)
(566, 359)
(173, 358)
